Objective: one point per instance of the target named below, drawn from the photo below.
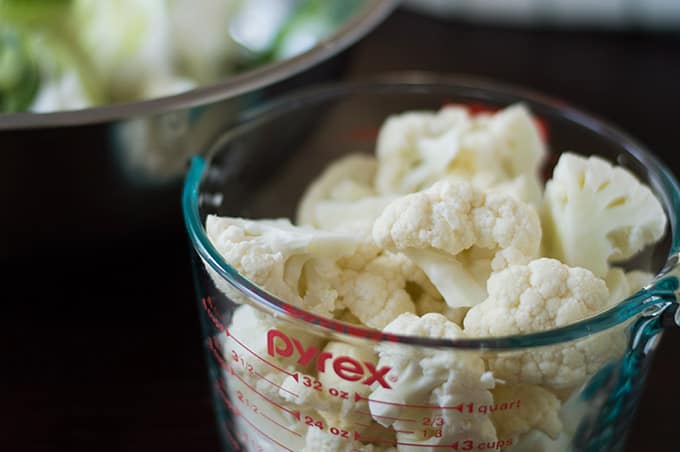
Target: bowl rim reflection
(360, 24)
(651, 300)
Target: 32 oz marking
(318, 386)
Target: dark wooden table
(101, 344)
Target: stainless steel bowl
(100, 175)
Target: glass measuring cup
(285, 379)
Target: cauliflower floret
(539, 296)
(293, 263)
(537, 408)
(349, 216)
(571, 415)
(323, 272)
(431, 379)
(457, 234)
(594, 213)
(621, 284)
(417, 149)
(377, 294)
(343, 197)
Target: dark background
(100, 340)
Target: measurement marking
(287, 410)
(282, 426)
(225, 399)
(212, 316)
(274, 384)
(238, 413)
(385, 417)
(459, 407)
(224, 365)
(381, 428)
(232, 440)
(218, 356)
(357, 437)
(290, 374)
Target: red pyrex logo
(345, 367)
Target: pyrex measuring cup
(285, 379)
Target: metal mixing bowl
(99, 175)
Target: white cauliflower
(435, 382)
(457, 234)
(536, 408)
(571, 414)
(320, 271)
(293, 263)
(343, 197)
(376, 294)
(351, 216)
(540, 296)
(594, 213)
(417, 149)
(621, 284)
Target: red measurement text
(318, 423)
(481, 445)
(315, 384)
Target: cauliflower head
(431, 379)
(417, 149)
(539, 296)
(457, 234)
(594, 213)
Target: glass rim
(655, 294)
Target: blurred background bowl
(96, 176)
